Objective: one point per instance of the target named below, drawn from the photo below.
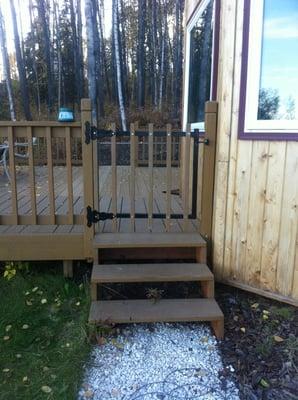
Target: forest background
(126, 55)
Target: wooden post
(211, 108)
(87, 155)
(132, 177)
(169, 177)
(68, 268)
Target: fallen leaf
(88, 394)
(46, 389)
(44, 301)
(255, 305)
(242, 329)
(25, 326)
(25, 379)
(266, 312)
(78, 303)
(5, 370)
(265, 316)
(8, 328)
(264, 383)
(18, 355)
(29, 303)
(117, 344)
(6, 338)
(278, 339)
(27, 293)
(35, 289)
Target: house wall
(255, 221)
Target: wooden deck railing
(61, 196)
(33, 134)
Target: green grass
(43, 339)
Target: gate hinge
(94, 216)
(90, 132)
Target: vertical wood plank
(240, 220)
(208, 169)
(256, 212)
(288, 223)
(225, 96)
(114, 176)
(31, 175)
(132, 180)
(50, 175)
(169, 177)
(69, 174)
(272, 214)
(13, 182)
(185, 194)
(150, 172)
(87, 156)
(226, 170)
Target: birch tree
(6, 68)
(117, 62)
(141, 53)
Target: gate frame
(208, 177)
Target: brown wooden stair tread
(173, 272)
(127, 240)
(165, 310)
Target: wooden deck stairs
(167, 248)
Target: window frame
(249, 127)
(214, 65)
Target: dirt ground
(261, 344)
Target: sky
(280, 49)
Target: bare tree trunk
(154, 45)
(6, 68)
(118, 66)
(141, 53)
(21, 66)
(91, 63)
(80, 49)
(34, 60)
(103, 49)
(58, 46)
(98, 61)
(75, 51)
(47, 52)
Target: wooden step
(151, 273)
(165, 310)
(134, 240)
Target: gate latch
(94, 216)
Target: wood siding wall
(255, 221)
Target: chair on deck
(4, 154)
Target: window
(269, 81)
(201, 63)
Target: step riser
(165, 254)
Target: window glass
(200, 66)
(278, 91)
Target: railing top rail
(40, 124)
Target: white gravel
(158, 362)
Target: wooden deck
(105, 199)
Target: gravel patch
(159, 362)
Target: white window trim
(252, 124)
(190, 25)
